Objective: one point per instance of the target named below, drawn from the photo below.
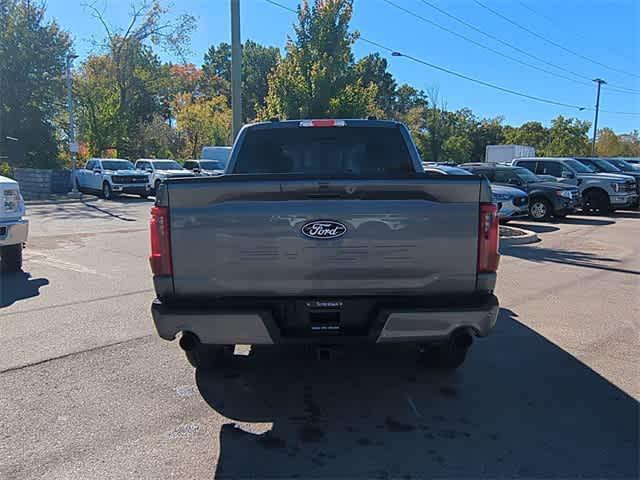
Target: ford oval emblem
(323, 229)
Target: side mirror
(97, 170)
(515, 181)
(567, 174)
(196, 170)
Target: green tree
(317, 77)
(202, 121)
(372, 70)
(258, 62)
(457, 149)
(567, 137)
(530, 133)
(135, 72)
(32, 66)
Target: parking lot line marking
(42, 258)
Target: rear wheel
(203, 356)
(106, 191)
(11, 258)
(444, 356)
(540, 209)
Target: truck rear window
(325, 151)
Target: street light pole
(599, 81)
(73, 146)
(236, 65)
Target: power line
(528, 54)
(470, 40)
(396, 53)
(457, 74)
(551, 42)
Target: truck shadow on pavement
(519, 407)
(19, 286)
(540, 254)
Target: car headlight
(616, 187)
(11, 201)
(501, 197)
(564, 193)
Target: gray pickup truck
(325, 232)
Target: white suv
(13, 228)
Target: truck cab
(601, 192)
(14, 228)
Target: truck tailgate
(241, 235)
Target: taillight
(160, 258)
(488, 256)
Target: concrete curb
(525, 237)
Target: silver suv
(601, 192)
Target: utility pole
(236, 65)
(599, 81)
(73, 146)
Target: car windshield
(166, 165)
(526, 175)
(211, 165)
(621, 164)
(606, 166)
(579, 166)
(117, 165)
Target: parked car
(601, 165)
(14, 229)
(323, 233)
(205, 167)
(623, 164)
(110, 176)
(601, 192)
(512, 202)
(160, 170)
(218, 154)
(546, 199)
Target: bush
(6, 170)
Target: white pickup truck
(160, 170)
(110, 176)
(13, 228)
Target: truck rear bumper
(393, 322)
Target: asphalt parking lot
(89, 391)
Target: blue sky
(607, 31)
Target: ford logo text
(323, 229)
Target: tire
(11, 258)
(540, 209)
(596, 202)
(442, 357)
(203, 356)
(107, 194)
(156, 186)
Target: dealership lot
(89, 391)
